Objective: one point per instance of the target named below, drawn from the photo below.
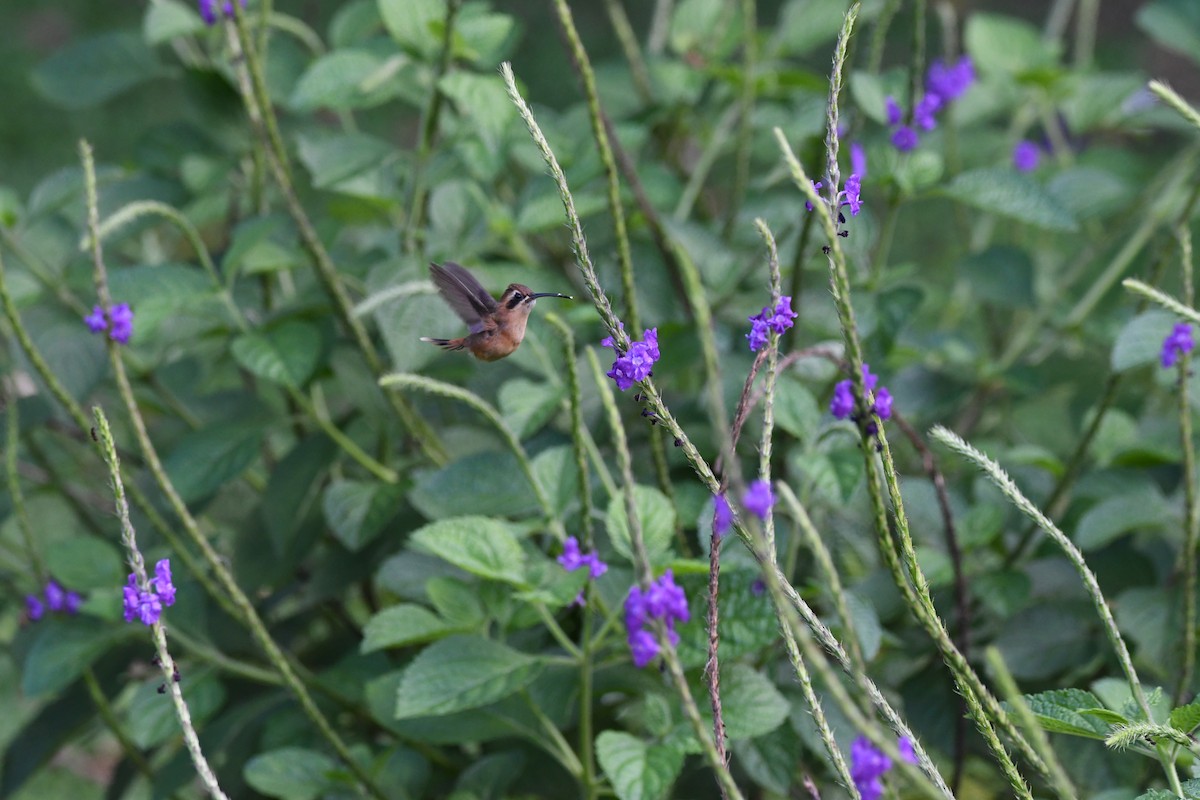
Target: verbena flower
(950, 82)
(572, 559)
(894, 112)
(852, 194)
(778, 319)
(663, 600)
(118, 322)
(858, 160)
(905, 138)
(905, 746)
(817, 185)
(759, 330)
(636, 364)
(1025, 156)
(208, 10)
(55, 598)
(867, 768)
(842, 404)
(147, 604)
(758, 498)
(925, 110)
(1178, 342)
(722, 516)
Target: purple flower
(867, 767)
(56, 596)
(148, 605)
(808, 203)
(923, 113)
(758, 331)
(34, 607)
(758, 588)
(118, 322)
(905, 746)
(1025, 156)
(722, 516)
(635, 365)
(1178, 342)
(950, 82)
(894, 114)
(883, 403)
(905, 138)
(853, 196)
(635, 609)
(572, 559)
(74, 601)
(781, 320)
(607, 341)
(208, 10)
(858, 160)
(767, 320)
(663, 600)
(758, 498)
(842, 404)
(644, 647)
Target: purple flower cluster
(1178, 342)
(208, 10)
(1026, 155)
(635, 365)
(868, 765)
(757, 499)
(147, 605)
(572, 559)
(663, 600)
(943, 84)
(722, 516)
(118, 322)
(858, 160)
(842, 405)
(762, 323)
(53, 598)
(850, 195)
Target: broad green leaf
(354, 164)
(636, 770)
(482, 36)
(1001, 275)
(481, 546)
(62, 649)
(1186, 718)
(1174, 24)
(804, 24)
(347, 79)
(490, 776)
(1140, 341)
(866, 624)
(557, 472)
(488, 483)
(285, 354)
(87, 72)
(483, 101)
(462, 672)
(457, 601)
(168, 19)
(1006, 44)
(1150, 617)
(746, 625)
(656, 516)
(291, 773)
(261, 244)
(1060, 711)
(1129, 511)
(415, 24)
(1046, 639)
(293, 488)
(703, 27)
(796, 409)
(204, 460)
(527, 405)
(1011, 194)
(150, 721)
(402, 625)
(84, 563)
(357, 511)
(1004, 592)
(544, 211)
(752, 705)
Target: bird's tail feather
(446, 344)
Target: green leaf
(484, 483)
(796, 409)
(483, 101)
(752, 705)
(462, 672)
(1174, 24)
(657, 517)
(62, 649)
(1001, 275)
(292, 489)
(1060, 711)
(87, 72)
(457, 601)
(1011, 194)
(260, 244)
(544, 211)
(347, 79)
(481, 546)
(415, 24)
(1088, 192)
(354, 164)
(1005, 44)
(1144, 507)
(527, 406)
(866, 624)
(168, 19)
(1140, 341)
(804, 24)
(151, 721)
(357, 511)
(402, 625)
(204, 460)
(286, 354)
(1186, 718)
(84, 563)
(291, 773)
(556, 471)
(636, 770)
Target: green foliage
(373, 597)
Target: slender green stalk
(245, 609)
(1085, 33)
(138, 565)
(1059, 780)
(1163, 299)
(12, 445)
(575, 399)
(1191, 517)
(631, 49)
(409, 381)
(1175, 101)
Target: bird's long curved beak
(551, 294)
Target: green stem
(741, 174)
(1191, 532)
(575, 400)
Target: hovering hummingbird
(497, 327)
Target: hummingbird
(497, 326)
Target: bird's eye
(518, 296)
